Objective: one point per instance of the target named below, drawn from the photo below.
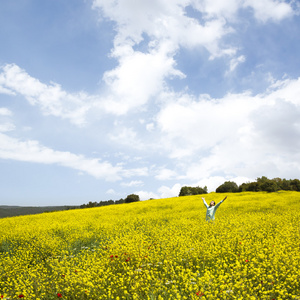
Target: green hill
(12, 211)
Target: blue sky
(101, 99)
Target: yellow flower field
(157, 249)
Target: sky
(100, 99)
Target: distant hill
(12, 211)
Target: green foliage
(270, 185)
(132, 198)
(253, 187)
(228, 187)
(188, 191)
(12, 211)
(295, 185)
(102, 203)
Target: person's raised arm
(204, 202)
(220, 202)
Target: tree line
(261, 184)
(130, 198)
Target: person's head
(212, 203)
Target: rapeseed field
(157, 249)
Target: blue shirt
(211, 210)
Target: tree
(295, 185)
(269, 186)
(132, 198)
(92, 204)
(120, 201)
(285, 185)
(228, 187)
(189, 190)
(244, 187)
(262, 179)
(254, 187)
(185, 191)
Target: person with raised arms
(211, 209)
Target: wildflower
(21, 296)
(246, 260)
(200, 294)
(59, 295)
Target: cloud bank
(182, 136)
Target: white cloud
(5, 127)
(167, 192)
(203, 123)
(265, 10)
(111, 192)
(149, 34)
(5, 124)
(139, 77)
(287, 89)
(135, 172)
(5, 111)
(218, 8)
(166, 174)
(234, 62)
(125, 136)
(33, 151)
(6, 91)
(162, 192)
(211, 182)
(150, 126)
(144, 195)
(161, 21)
(133, 183)
(163, 28)
(236, 134)
(51, 99)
